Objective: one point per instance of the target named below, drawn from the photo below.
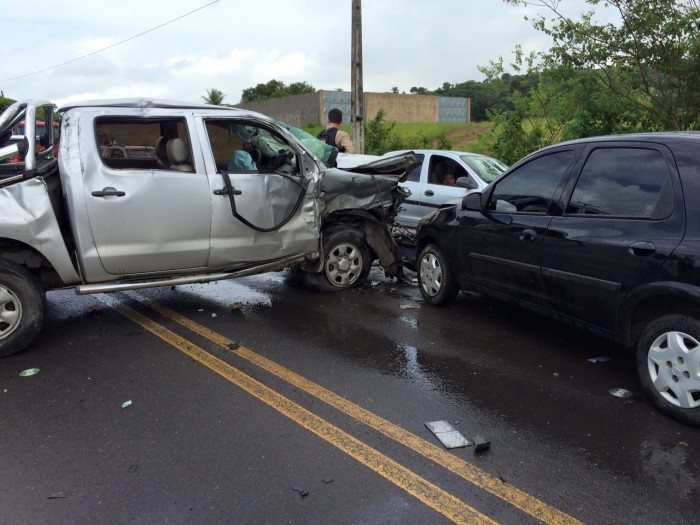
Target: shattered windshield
(487, 168)
(320, 149)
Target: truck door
(260, 208)
(144, 213)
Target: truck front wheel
(22, 305)
(346, 264)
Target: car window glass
(414, 174)
(141, 143)
(440, 166)
(623, 182)
(487, 168)
(530, 188)
(243, 147)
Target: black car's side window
(623, 182)
(530, 188)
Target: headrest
(177, 151)
(161, 151)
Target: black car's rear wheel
(668, 363)
(437, 280)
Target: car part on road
(438, 284)
(22, 306)
(668, 362)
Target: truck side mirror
(472, 201)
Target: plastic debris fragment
(126, 404)
(481, 444)
(447, 434)
(620, 392)
(29, 372)
(302, 492)
(601, 359)
(409, 306)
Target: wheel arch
(652, 301)
(23, 254)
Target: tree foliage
(214, 96)
(640, 74)
(275, 89)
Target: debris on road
(58, 495)
(620, 392)
(481, 444)
(29, 372)
(126, 404)
(601, 359)
(328, 479)
(447, 434)
(235, 306)
(413, 306)
(302, 492)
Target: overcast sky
(234, 44)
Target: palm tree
(214, 97)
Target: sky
(82, 49)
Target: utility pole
(357, 99)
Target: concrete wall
(299, 110)
(402, 108)
(295, 110)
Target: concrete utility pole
(357, 100)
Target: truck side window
(131, 143)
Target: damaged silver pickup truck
(148, 193)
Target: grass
(469, 137)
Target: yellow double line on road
(431, 495)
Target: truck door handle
(642, 248)
(224, 191)
(108, 192)
(527, 235)
(429, 193)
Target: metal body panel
(27, 216)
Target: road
(257, 401)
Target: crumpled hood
(369, 186)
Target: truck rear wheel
(22, 305)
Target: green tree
(380, 136)
(214, 97)
(650, 60)
(275, 89)
(5, 102)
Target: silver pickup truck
(148, 193)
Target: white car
(471, 171)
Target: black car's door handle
(642, 248)
(527, 235)
(108, 192)
(429, 193)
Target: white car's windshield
(487, 168)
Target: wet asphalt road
(253, 401)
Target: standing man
(335, 136)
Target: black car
(603, 232)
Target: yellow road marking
(432, 495)
(516, 497)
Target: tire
(436, 278)
(22, 306)
(668, 364)
(347, 262)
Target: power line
(110, 46)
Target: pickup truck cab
(217, 193)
